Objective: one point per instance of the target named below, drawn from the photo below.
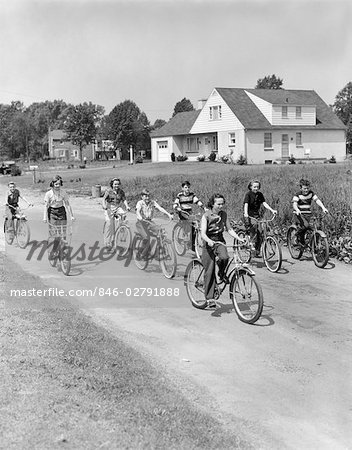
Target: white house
(263, 125)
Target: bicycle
(270, 247)
(245, 292)
(315, 241)
(123, 236)
(59, 238)
(182, 234)
(20, 228)
(163, 251)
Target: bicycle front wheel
(179, 239)
(9, 233)
(194, 282)
(198, 244)
(247, 296)
(65, 259)
(320, 249)
(167, 259)
(23, 233)
(294, 246)
(123, 239)
(137, 248)
(272, 254)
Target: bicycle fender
(248, 270)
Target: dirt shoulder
(66, 381)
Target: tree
(182, 106)
(127, 125)
(158, 124)
(269, 82)
(81, 123)
(343, 109)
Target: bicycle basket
(60, 230)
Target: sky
(157, 52)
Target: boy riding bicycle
(113, 198)
(302, 208)
(12, 200)
(183, 205)
(145, 225)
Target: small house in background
(265, 126)
(60, 147)
(106, 150)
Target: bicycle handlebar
(19, 207)
(262, 219)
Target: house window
(298, 139)
(215, 143)
(192, 145)
(268, 141)
(284, 112)
(298, 112)
(232, 139)
(162, 144)
(215, 112)
(268, 161)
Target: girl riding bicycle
(112, 201)
(252, 203)
(213, 223)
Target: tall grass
(332, 184)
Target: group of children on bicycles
(214, 221)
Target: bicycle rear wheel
(9, 234)
(194, 282)
(167, 259)
(23, 233)
(123, 239)
(272, 254)
(294, 247)
(320, 249)
(137, 248)
(247, 296)
(243, 251)
(179, 238)
(65, 259)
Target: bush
(138, 160)
(212, 156)
(200, 158)
(292, 160)
(225, 159)
(181, 158)
(332, 160)
(241, 161)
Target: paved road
(283, 383)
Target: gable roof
(252, 118)
(180, 124)
(58, 134)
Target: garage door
(163, 151)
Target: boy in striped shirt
(183, 205)
(302, 208)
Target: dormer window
(298, 112)
(215, 112)
(284, 112)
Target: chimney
(201, 103)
